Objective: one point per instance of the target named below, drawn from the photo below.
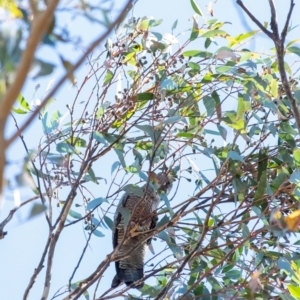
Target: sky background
(22, 247)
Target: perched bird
(142, 219)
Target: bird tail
(116, 281)
(129, 276)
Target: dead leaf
(293, 220)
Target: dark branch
(284, 31)
(279, 44)
(262, 28)
(274, 23)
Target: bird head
(163, 181)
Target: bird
(142, 219)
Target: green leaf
(76, 142)
(239, 38)
(257, 211)
(167, 202)
(68, 66)
(125, 212)
(138, 156)
(92, 175)
(296, 155)
(295, 177)
(294, 290)
(145, 96)
(233, 274)
(262, 174)
(235, 156)
(168, 84)
(108, 77)
(65, 148)
(19, 111)
(121, 157)
(54, 121)
(141, 145)
(109, 222)
(133, 189)
(194, 66)
(153, 132)
(245, 231)
(194, 34)
(289, 44)
(213, 132)
(213, 33)
(114, 166)
(196, 8)
(222, 131)
(112, 138)
(164, 236)
(286, 127)
(223, 69)
(197, 53)
(96, 202)
(232, 121)
(210, 105)
(284, 264)
(174, 25)
(172, 120)
(177, 251)
(99, 137)
(165, 219)
(74, 214)
(98, 233)
(130, 58)
(295, 50)
(278, 181)
(288, 69)
(45, 68)
(207, 43)
(36, 210)
(23, 103)
(132, 169)
(186, 135)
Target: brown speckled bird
(143, 219)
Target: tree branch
(263, 29)
(11, 214)
(288, 18)
(274, 23)
(70, 72)
(40, 24)
(279, 45)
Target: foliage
(236, 236)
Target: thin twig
(287, 22)
(40, 24)
(263, 29)
(274, 23)
(33, 7)
(11, 214)
(279, 45)
(70, 72)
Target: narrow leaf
(96, 202)
(196, 8)
(133, 189)
(36, 210)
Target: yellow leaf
(67, 65)
(276, 215)
(12, 8)
(293, 220)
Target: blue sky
(22, 247)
